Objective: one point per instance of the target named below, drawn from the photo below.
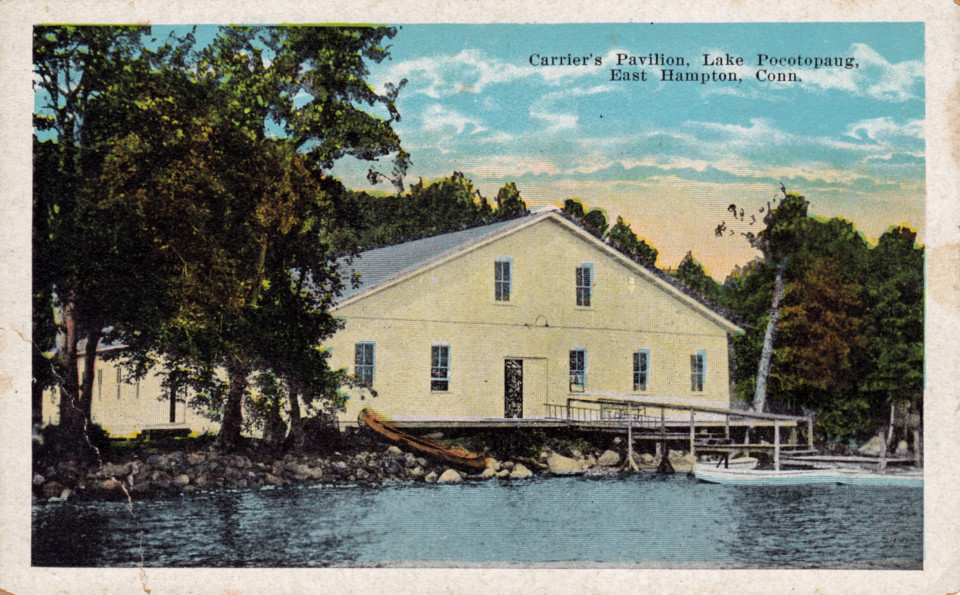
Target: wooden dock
(706, 430)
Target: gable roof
(381, 267)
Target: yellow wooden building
(502, 319)
(126, 408)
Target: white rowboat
(733, 476)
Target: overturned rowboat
(451, 454)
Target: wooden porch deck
(651, 420)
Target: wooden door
(513, 388)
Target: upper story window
(584, 284)
(502, 279)
(119, 381)
(578, 370)
(698, 370)
(364, 362)
(641, 369)
(440, 368)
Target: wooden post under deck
(810, 431)
(776, 444)
(693, 426)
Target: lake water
(639, 520)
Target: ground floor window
(363, 362)
(440, 368)
(578, 370)
(698, 370)
(641, 369)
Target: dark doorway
(513, 388)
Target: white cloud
(874, 76)
(470, 71)
(437, 118)
(547, 107)
(884, 130)
(760, 132)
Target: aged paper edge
(941, 572)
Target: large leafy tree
(208, 178)
(244, 218)
(893, 373)
(76, 260)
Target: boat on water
(737, 463)
(759, 477)
(907, 479)
(451, 454)
(763, 477)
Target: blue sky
(667, 156)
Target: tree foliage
(227, 229)
(428, 207)
(694, 276)
(850, 337)
(626, 239)
(76, 256)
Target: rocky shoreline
(140, 474)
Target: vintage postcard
(388, 299)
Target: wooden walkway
(661, 421)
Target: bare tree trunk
(89, 368)
(233, 408)
(766, 355)
(295, 437)
(71, 435)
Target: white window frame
(698, 371)
(503, 284)
(578, 375)
(440, 367)
(364, 371)
(585, 287)
(641, 369)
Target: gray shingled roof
(380, 265)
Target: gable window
(698, 370)
(578, 370)
(584, 284)
(440, 368)
(502, 279)
(363, 362)
(641, 369)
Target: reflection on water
(639, 520)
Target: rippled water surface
(632, 521)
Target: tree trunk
(295, 437)
(760, 394)
(89, 368)
(72, 437)
(233, 408)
